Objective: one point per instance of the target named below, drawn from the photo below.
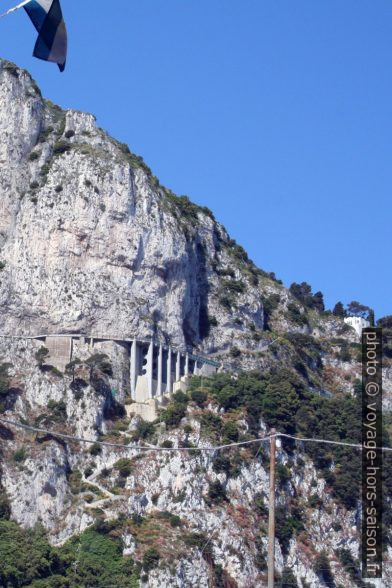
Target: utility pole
(271, 513)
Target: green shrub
(58, 410)
(167, 444)
(173, 519)
(150, 559)
(4, 378)
(287, 524)
(19, 455)
(237, 251)
(227, 302)
(44, 171)
(180, 397)
(235, 352)
(121, 425)
(352, 567)
(184, 207)
(315, 501)
(100, 560)
(260, 559)
(55, 371)
(344, 354)
(211, 425)
(124, 467)
(5, 509)
(198, 540)
(25, 556)
(295, 315)
(95, 449)
(61, 147)
(11, 68)
(323, 569)
(288, 579)
(34, 155)
(226, 272)
(88, 471)
(216, 492)
(143, 431)
(44, 135)
(41, 355)
(199, 397)
(283, 474)
(230, 432)
(221, 464)
(100, 361)
(233, 286)
(173, 415)
(180, 497)
(228, 396)
(270, 304)
(260, 506)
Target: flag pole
(11, 10)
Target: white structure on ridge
(357, 323)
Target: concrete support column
(133, 369)
(160, 358)
(169, 388)
(187, 364)
(178, 366)
(196, 368)
(150, 360)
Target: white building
(357, 323)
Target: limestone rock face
(64, 485)
(90, 243)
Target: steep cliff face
(91, 243)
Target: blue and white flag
(47, 18)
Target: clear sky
(276, 114)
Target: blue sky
(275, 114)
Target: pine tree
(338, 310)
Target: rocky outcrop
(65, 486)
(91, 243)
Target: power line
(309, 439)
(184, 449)
(271, 438)
(330, 442)
(131, 447)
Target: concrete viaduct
(155, 370)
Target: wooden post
(271, 513)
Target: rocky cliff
(91, 243)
